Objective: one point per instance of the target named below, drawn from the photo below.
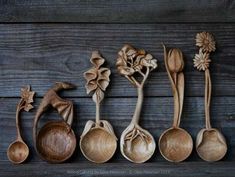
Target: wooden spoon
(56, 141)
(210, 143)
(175, 143)
(137, 144)
(98, 142)
(18, 151)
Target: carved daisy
(205, 41)
(201, 60)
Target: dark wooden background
(42, 42)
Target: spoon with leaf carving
(210, 143)
(98, 142)
(136, 144)
(175, 143)
(18, 151)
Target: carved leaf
(108, 127)
(90, 86)
(91, 74)
(98, 96)
(96, 59)
(88, 126)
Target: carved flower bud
(175, 60)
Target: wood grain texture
(40, 54)
(184, 169)
(117, 11)
(156, 117)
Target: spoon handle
(18, 109)
(207, 98)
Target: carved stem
(136, 116)
(97, 118)
(18, 109)
(207, 98)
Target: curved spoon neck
(207, 98)
(136, 116)
(18, 109)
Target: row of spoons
(55, 142)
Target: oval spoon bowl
(211, 145)
(17, 152)
(140, 149)
(175, 144)
(98, 145)
(56, 142)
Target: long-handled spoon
(98, 142)
(18, 151)
(210, 143)
(136, 144)
(175, 143)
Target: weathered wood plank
(40, 54)
(117, 11)
(185, 169)
(156, 117)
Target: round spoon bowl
(56, 142)
(98, 145)
(17, 152)
(211, 145)
(175, 144)
(139, 150)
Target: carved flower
(205, 41)
(27, 97)
(131, 60)
(201, 60)
(97, 77)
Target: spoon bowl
(137, 144)
(56, 142)
(175, 144)
(98, 145)
(17, 152)
(211, 145)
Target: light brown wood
(98, 141)
(175, 143)
(56, 141)
(210, 143)
(18, 151)
(137, 144)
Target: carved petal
(90, 74)
(103, 84)
(98, 96)
(88, 126)
(105, 73)
(96, 59)
(91, 86)
(108, 127)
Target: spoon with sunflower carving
(210, 143)
(136, 144)
(18, 151)
(175, 143)
(98, 142)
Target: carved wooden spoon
(175, 143)
(18, 151)
(98, 142)
(210, 143)
(136, 144)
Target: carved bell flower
(205, 41)
(201, 60)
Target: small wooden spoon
(210, 143)
(98, 142)
(18, 151)
(137, 144)
(175, 144)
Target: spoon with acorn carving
(136, 144)
(175, 143)
(210, 143)
(18, 151)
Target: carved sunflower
(201, 60)
(205, 41)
